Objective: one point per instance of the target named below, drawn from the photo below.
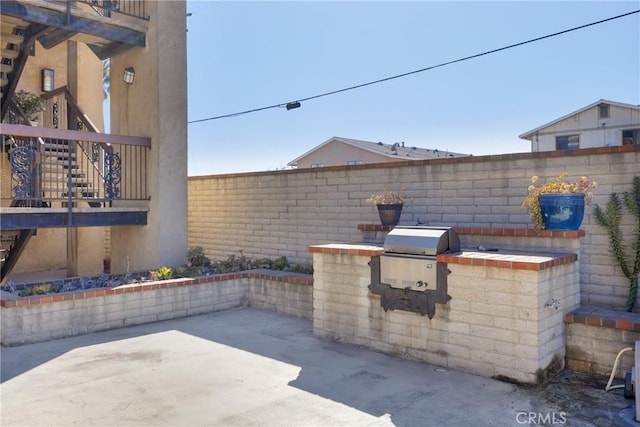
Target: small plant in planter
(389, 205)
(197, 258)
(548, 213)
(163, 273)
(30, 104)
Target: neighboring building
(344, 151)
(67, 188)
(601, 124)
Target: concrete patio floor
(245, 367)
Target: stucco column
(155, 106)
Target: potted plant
(30, 104)
(389, 205)
(558, 204)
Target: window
(355, 162)
(317, 165)
(568, 142)
(630, 136)
(603, 111)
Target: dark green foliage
(40, 289)
(198, 265)
(241, 262)
(197, 258)
(610, 218)
(302, 268)
(280, 263)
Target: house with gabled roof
(600, 124)
(345, 151)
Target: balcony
(68, 178)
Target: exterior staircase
(59, 166)
(69, 172)
(60, 171)
(11, 34)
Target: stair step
(62, 186)
(11, 38)
(8, 237)
(65, 158)
(6, 68)
(4, 81)
(60, 177)
(82, 195)
(62, 162)
(8, 53)
(51, 143)
(58, 167)
(55, 149)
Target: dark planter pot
(562, 211)
(389, 214)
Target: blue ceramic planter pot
(562, 211)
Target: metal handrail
(123, 178)
(135, 8)
(76, 120)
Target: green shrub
(197, 258)
(163, 273)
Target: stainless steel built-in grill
(409, 259)
(408, 276)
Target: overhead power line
(297, 102)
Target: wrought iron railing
(128, 7)
(61, 111)
(55, 166)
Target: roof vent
(380, 143)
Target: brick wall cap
(516, 260)
(347, 249)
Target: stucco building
(601, 124)
(66, 186)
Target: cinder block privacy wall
(270, 214)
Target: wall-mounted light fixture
(47, 80)
(129, 75)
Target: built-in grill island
(407, 275)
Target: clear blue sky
(245, 55)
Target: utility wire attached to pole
(397, 76)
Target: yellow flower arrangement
(558, 185)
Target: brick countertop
(483, 231)
(511, 259)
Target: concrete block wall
(500, 322)
(594, 350)
(270, 214)
(286, 298)
(42, 322)
(595, 338)
(41, 318)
